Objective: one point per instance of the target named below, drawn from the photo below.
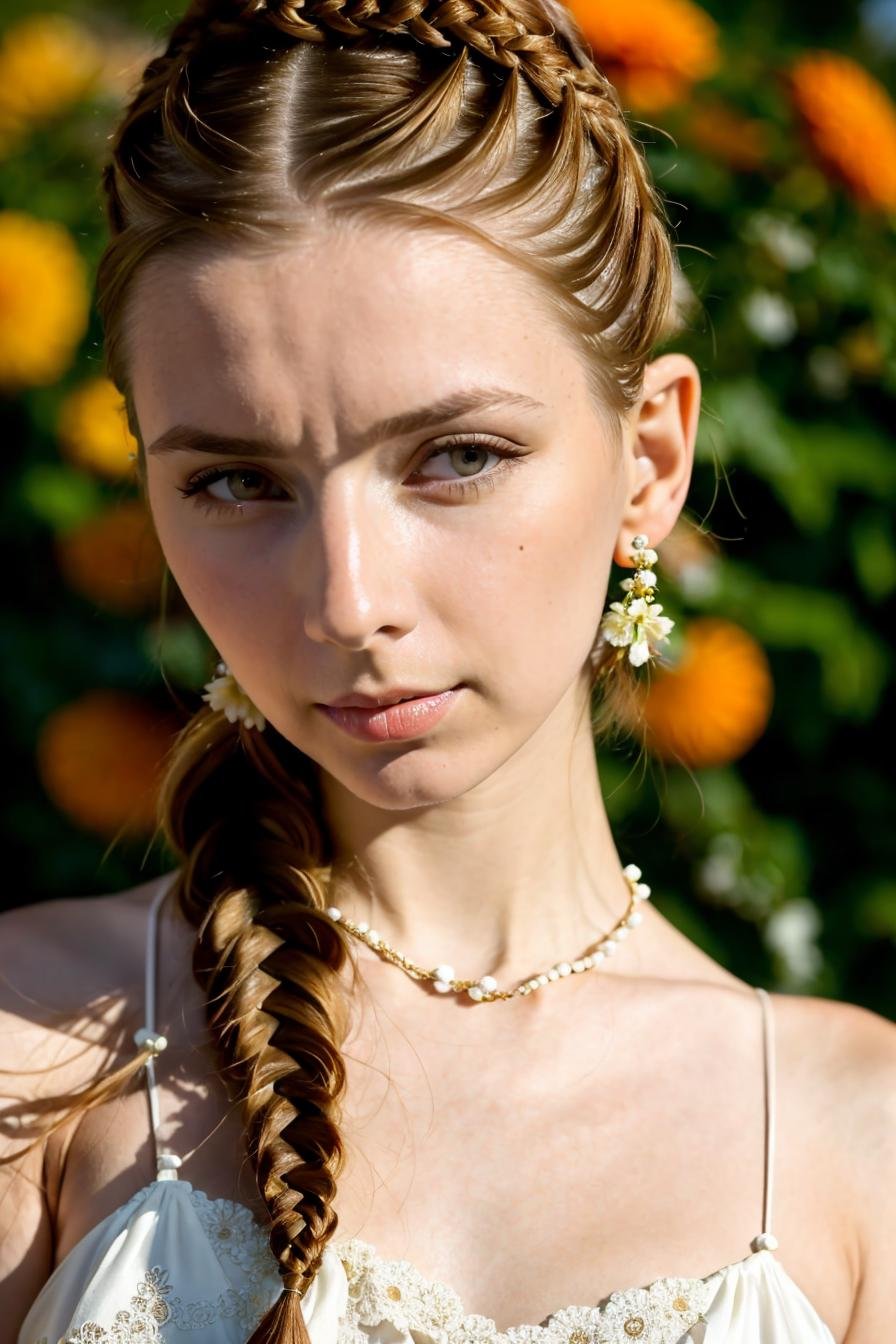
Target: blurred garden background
(767, 801)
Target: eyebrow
(191, 438)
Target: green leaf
(740, 420)
(854, 660)
(60, 496)
(844, 457)
(876, 912)
(181, 649)
(873, 553)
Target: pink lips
(393, 723)
(390, 696)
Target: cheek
(536, 592)
(238, 603)
(226, 589)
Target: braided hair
(488, 117)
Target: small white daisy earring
(635, 623)
(224, 693)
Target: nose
(357, 579)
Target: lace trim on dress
(395, 1291)
(140, 1321)
(391, 1291)
(236, 1238)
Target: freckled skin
(350, 565)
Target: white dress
(172, 1266)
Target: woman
(381, 295)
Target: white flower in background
(226, 696)
(791, 932)
(829, 371)
(769, 317)
(718, 874)
(786, 242)
(684, 299)
(699, 581)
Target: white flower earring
(635, 623)
(224, 693)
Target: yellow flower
(653, 50)
(44, 300)
(99, 760)
(715, 702)
(850, 122)
(47, 62)
(114, 559)
(93, 428)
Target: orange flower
(653, 50)
(99, 759)
(864, 351)
(850, 121)
(715, 702)
(114, 559)
(722, 133)
(93, 428)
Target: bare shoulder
(68, 967)
(58, 954)
(849, 1049)
(845, 1058)
(841, 1056)
(70, 972)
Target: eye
(197, 488)
(462, 453)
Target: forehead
(354, 323)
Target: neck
(506, 879)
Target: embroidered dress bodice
(172, 1266)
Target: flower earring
(635, 623)
(224, 693)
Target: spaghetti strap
(167, 1163)
(766, 1240)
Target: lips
(396, 722)
(385, 698)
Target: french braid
(483, 116)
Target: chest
(524, 1184)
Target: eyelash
(195, 488)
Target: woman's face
(349, 552)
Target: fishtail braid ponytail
(253, 884)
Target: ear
(659, 451)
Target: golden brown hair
(262, 118)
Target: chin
(409, 778)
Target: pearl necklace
(486, 989)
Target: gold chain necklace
(486, 989)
